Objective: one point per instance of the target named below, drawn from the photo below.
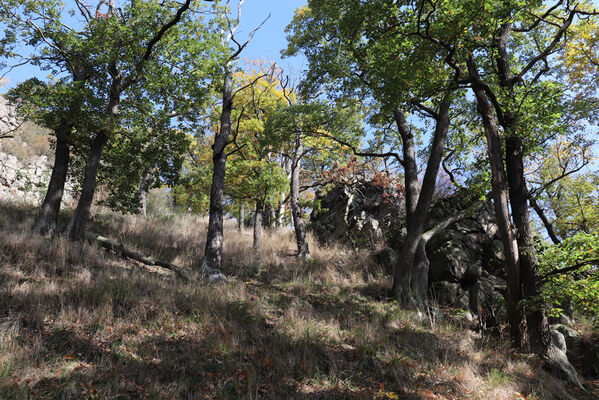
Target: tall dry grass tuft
(79, 322)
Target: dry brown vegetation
(77, 322)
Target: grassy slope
(77, 322)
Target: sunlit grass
(78, 322)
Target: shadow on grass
(141, 336)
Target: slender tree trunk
(303, 250)
(410, 279)
(281, 211)
(258, 225)
(46, 221)
(241, 218)
(214, 240)
(500, 203)
(272, 217)
(548, 225)
(536, 320)
(76, 227)
(144, 187)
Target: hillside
(79, 322)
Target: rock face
(466, 262)
(21, 178)
(357, 214)
(21, 181)
(8, 119)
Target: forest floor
(77, 322)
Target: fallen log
(127, 253)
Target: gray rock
(573, 339)
(447, 292)
(498, 283)
(386, 258)
(217, 278)
(463, 301)
(560, 365)
(558, 340)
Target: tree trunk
(214, 239)
(410, 279)
(241, 218)
(144, 187)
(303, 250)
(76, 227)
(500, 203)
(258, 225)
(272, 217)
(548, 225)
(46, 221)
(536, 320)
(281, 211)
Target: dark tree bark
(46, 221)
(536, 320)
(410, 279)
(258, 225)
(76, 227)
(500, 204)
(303, 250)
(214, 240)
(548, 225)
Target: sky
(266, 44)
(270, 39)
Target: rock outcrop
(23, 181)
(23, 176)
(8, 118)
(358, 214)
(466, 261)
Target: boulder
(359, 214)
(574, 343)
(447, 293)
(558, 340)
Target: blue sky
(266, 44)
(270, 39)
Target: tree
(371, 52)
(126, 69)
(214, 239)
(256, 170)
(97, 70)
(504, 52)
(306, 129)
(61, 106)
(563, 192)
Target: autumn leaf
(267, 362)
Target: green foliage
(580, 285)
(86, 53)
(571, 200)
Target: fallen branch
(126, 253)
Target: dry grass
(77, 322)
